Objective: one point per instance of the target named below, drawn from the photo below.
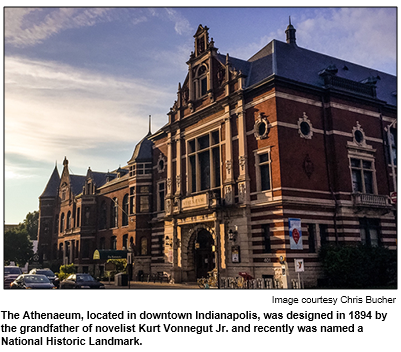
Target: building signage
(198, 201)
(294, 226)
(299, 265)
(235, 254)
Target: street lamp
(130, 261)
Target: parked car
(10, 274)
(80, 281)
(47, 272)
(29, 281)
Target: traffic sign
(393, 197)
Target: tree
(30, 224)
(17, 246)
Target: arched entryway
(203, 253)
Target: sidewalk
(135, 285)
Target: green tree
(65, 271)
(30, 224)
(17, 246)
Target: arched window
(69, 220)
(113, 242)
(201, 81)
(62, 223)
(114, 213)
(125, 210)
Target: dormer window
(200, 82)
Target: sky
(81, 82)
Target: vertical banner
(294, 226)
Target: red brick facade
(288, 134)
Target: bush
(359, 266)
(65, 271)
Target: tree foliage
(359, 266)
(17, 246)
(120, 264)
(65, 271)
(30, 224)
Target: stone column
(228, 187)
(178, 163)
(243, 179)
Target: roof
(303, 65)
(51, 188)
(289, 61)
(77, 182)
(143, 150)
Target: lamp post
(130, 261)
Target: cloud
(365, 36)
(51, 109)
(31, 26)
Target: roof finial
(290, 32)
(289, 17)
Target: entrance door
(204, 256)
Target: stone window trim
(258, 164)
(161, 163)
(261, 127)
(305, 128)
(358, 135)
(360, 169)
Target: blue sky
(81, 82)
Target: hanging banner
(294, 226)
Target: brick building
(260, 159)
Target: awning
(109, 254)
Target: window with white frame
(263, 170)
(362, 173)
(204, 162)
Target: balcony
(370, 200)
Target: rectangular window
(312, 238)
(203, 86)
(392, 136)
(362, 176)
(161, 194)
(266, 238)
(264, 170)
(369, 231)
(323, 234)
(204, 162)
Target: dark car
(80, 281)
(30, 281)
(10, 274)
(47, 272)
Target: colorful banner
(294, 226)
